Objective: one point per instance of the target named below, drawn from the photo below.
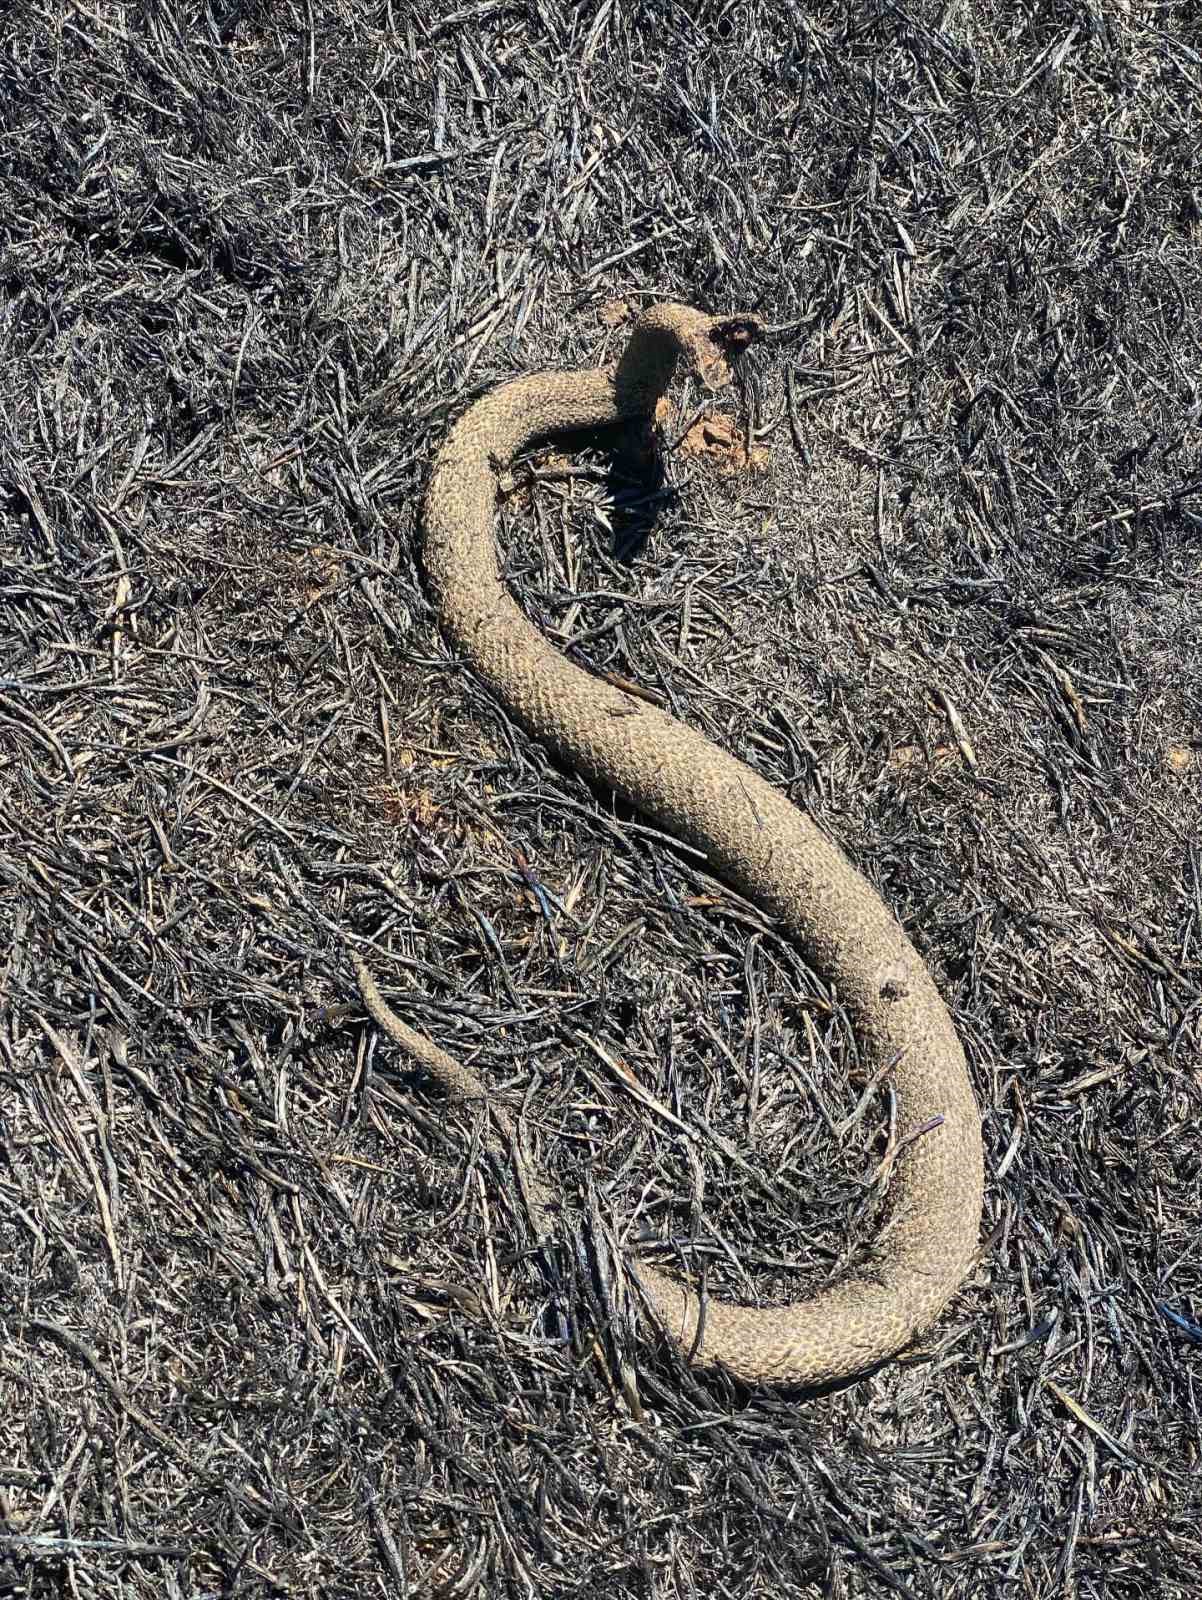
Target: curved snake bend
(756, 840)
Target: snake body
(754, 839)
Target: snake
(753, 838)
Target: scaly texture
(762, 845)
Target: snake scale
(753, 838)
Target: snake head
(736, 332)
(667, 334)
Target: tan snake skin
(757, 841)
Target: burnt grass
(272, 1320)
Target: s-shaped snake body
(753, 838)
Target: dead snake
(752, 837)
